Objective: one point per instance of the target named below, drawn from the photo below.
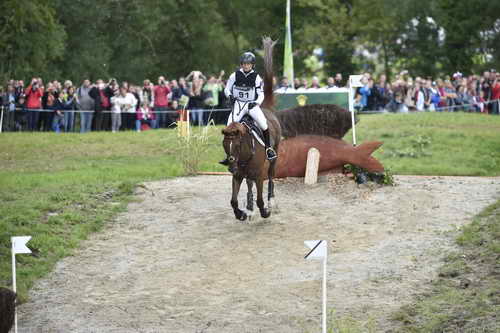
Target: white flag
(318, 249)
(19, 244)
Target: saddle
(253, 128)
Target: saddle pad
(253, 128)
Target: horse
(247, 158)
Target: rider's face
(246, 66)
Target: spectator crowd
(473, 93)
(103, 106)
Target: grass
(466, 295)
(451, 144)
(61, 188)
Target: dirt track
(178, 261)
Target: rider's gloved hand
(232, 99)
(251, 105)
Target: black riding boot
(270, 153)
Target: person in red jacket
(161, 92)
(495, 94)
(34, 94)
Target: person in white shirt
(122, 102)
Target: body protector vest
(244, 88)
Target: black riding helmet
(247, 57)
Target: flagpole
(14, 283)
(288, 56)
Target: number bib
(244, 94)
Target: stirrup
(271, 154)
(224, 162)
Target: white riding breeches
(241, 108)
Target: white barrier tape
(108, 111)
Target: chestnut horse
(247, 157)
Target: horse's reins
(240, 108)
(243, 163)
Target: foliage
(133, 39)
(192, 149)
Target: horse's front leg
(250, 198)
(238, 213)
(270, 185)
(265, 213)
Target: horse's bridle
(231, 157)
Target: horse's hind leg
(238, 213)
(264, 212)
(250, 197)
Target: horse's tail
(268, 45)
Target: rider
(245, 90)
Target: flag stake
(319, 251)
(18, 246)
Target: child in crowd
(58, 118)
(145, 117)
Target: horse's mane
(268, 45)
(234, 129)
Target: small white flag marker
(319, 251)
(18, 247)
(19, 244)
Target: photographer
(101, 94)
(33, 94)
(85, 104)
(161, 92)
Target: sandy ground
(178, 261)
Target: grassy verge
(434, 143)
(60, 188)
(466, 295)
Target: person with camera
(123, 102)
(33, 97)
(211, 92)
(85, 104)
(161, 92)
(101, 94)
(48, 103)
(196, 100)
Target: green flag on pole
(288, 62)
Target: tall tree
(30, 38)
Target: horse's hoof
(242, 217)
(265, 213)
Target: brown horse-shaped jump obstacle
(247, 158)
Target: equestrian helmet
(247, 57)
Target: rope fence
(24, 111)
